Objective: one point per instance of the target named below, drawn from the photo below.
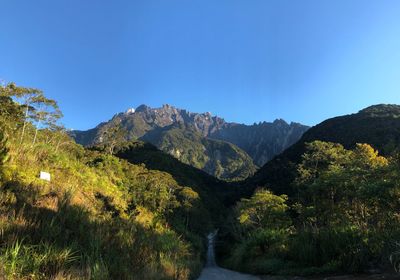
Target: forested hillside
(99, 216)
(328, 204)
(341, 217)
(377, 125)
(218, 158)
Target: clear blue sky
(244, 60)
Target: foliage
(378, 125)
(263, 210)
(343, 216)
(112, 137)
(209, 188)
(100, 217)
(37, 108)
(260, 228)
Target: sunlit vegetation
(126, 210)
(343, 216)
(100, 217)
(378, 126)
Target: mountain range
(226, 150)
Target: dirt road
(213, 272)
(217, 273)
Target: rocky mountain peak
(142, 108)
(171, 128)
(280, 122)
(167, 115)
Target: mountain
(223, 149)
(264, 140)
(218, 158)
(137, 122)
(377, 125)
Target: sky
(243, 60)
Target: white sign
(45, 176)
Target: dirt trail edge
(213, 272)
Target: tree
(46, 115)
(366, 157)
(24, 96)
(317, 175)
(36, 107)
(341, 186)
(11, 114)
(319, 157)
(189, 197)
(263, 210)
(112, 137)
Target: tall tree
(189, 198)
(24, 96)
(37, 108)
(11, 114)
(112, 137)
(46, 114)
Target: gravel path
(213, 272)
(217, 273)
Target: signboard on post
(44, 176)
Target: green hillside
(377, 125)
(218, 158)
(100, 217)
(328, 204)
(215, 190)
(341, 217)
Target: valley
(200, 140)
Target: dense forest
(341, 217)
(123, 209)
(327, 204)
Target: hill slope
(214, 190)
(97, 216)
(218, 158)
(377, 125)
